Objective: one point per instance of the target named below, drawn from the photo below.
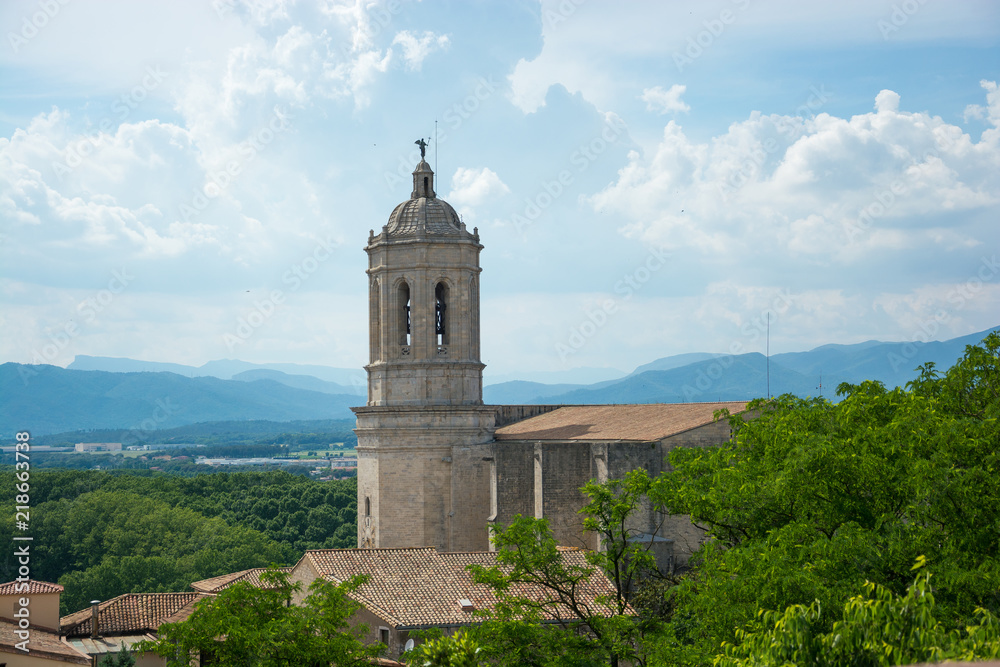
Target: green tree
(811, 499)
(878, 628)
(260, 627)
(458, 650)
(123, 658)
(575, 621)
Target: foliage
(528, 630)
(123, 658)
(879, 628)
(102, 534)
(258, 626)
(810, 500)
(458, 650)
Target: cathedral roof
(643, 423)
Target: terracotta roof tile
(41, 644)
(216, 584)
(420, 586)
(33, 588)
(642, 423)
(129, 613)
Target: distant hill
(150, 395)
(712, 377)
(308, 382)
(48, 399)
(224, 369)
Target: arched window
(441, 313)
(427, 187)
(368, 506)
(404, 314)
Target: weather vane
(423, 147)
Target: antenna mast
(767, 355)
(436, 146)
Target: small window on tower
(368, 506)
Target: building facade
(435, 466)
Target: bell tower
(422, 437)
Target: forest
(101, 534)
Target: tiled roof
(642, 423)
(420, 586)
(131, 613)
(41, 644)
(216, 584)
(34, 588)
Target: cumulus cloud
(665, 101)
(417, 48)
(838, 188)
(473, 187)
(991, 111)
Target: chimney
(94, 626)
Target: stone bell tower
(423, 466)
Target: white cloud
(665, 101)
(473, 187)
(992, 109)
(803, 196)
(416, 49)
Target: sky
(186, 181)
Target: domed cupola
(423, 213)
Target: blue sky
(188, 181)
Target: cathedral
(436, 466)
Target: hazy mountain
(714, 377)
(583, 375)
(48, 399)
(519, 392)
(224, 369)
(310, 382)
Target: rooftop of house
(30, 587)
(642, 423)
(421, 587)
(131, 613)
(43, 644)
(216, 584)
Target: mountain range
(143, 396)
